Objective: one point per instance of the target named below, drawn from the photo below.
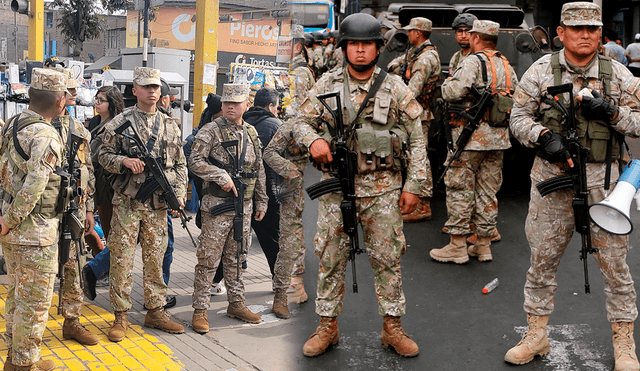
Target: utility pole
(207, 18)
(145, 40)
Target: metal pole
(145, 40)
(15, 33)
(139, 19)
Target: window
(113, 41)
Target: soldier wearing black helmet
(317, 53)
(461, 25)
(388, 110)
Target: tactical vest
(499, 112)
(596, 135)
(249, 174)
(380, 142)
(83, 179)
(46, 205)
(427, 92)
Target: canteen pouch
(500, 110)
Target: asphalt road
(456, 326)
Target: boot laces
(623, 341)
(395, 328)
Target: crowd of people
(247, 164)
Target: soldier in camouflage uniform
(134, 220)
(473, 180)
(210, 161)
(72, 294)
(288, 159)
(29, 222)
(612, 111)
(421, 75)
(461, 26)
(379, 190)
(317, 53)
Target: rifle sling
(154, 133)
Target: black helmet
(308, 38)
(360, 27)
(336, 33)
(464, 20)
(317, 36)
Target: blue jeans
(101, 262)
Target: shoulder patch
(633, 88)
(413, 109)
(520, 97)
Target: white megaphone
(612, 214)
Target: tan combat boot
(326, 334)
(280, 306)
(41, 365)
(482, 249)
(72, 329)
(295, 292)
(200, 321)
(118, 331)
(158, 318)
(455, 251)
(422, 212)
(624, 347)
(393, 335)
(240, 311)
(494, 238)
(533, 343)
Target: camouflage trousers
(549, 228)
(72, 294)
(384, 242)
(426, 189)
(472, 183)
(31, 271)
(128, 227)
(290, 260)
(217, 236)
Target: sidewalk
(230, 345)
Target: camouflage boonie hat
(72, 83)
(146, 76)
(235, 93)
(48, 80)
(297, 31)
(485, 27)
(419, 23)
(581, 13)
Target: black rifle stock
(238, 202)
(577, 175)
(345, 162)
(472, 114)
(70, 226)
(158, 179)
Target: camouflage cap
(48, 80)
(146, 76)
(72, 83)
(485, 27)
(581, 13)
(419, 23)
(235, 93)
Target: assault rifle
(577, 177)
(472, 114)
(158, 178)
(70, 226)
(345, 161)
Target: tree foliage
(113, 6)
(79, 21)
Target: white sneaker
(218, 289)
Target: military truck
(521, 44)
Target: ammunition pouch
(380, 149)
(500, 110)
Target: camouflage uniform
(30, 190)
(217, 231)
(424, 72)
(456, 59)
(133, 220)
(289, 160)
(72, 294)
(377, 193)
(554, 211)
(473, 181)
(318, 58)
(301, 80)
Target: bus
(314, 15)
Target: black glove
(553, 150)
(597, 108)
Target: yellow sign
(174, 24)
